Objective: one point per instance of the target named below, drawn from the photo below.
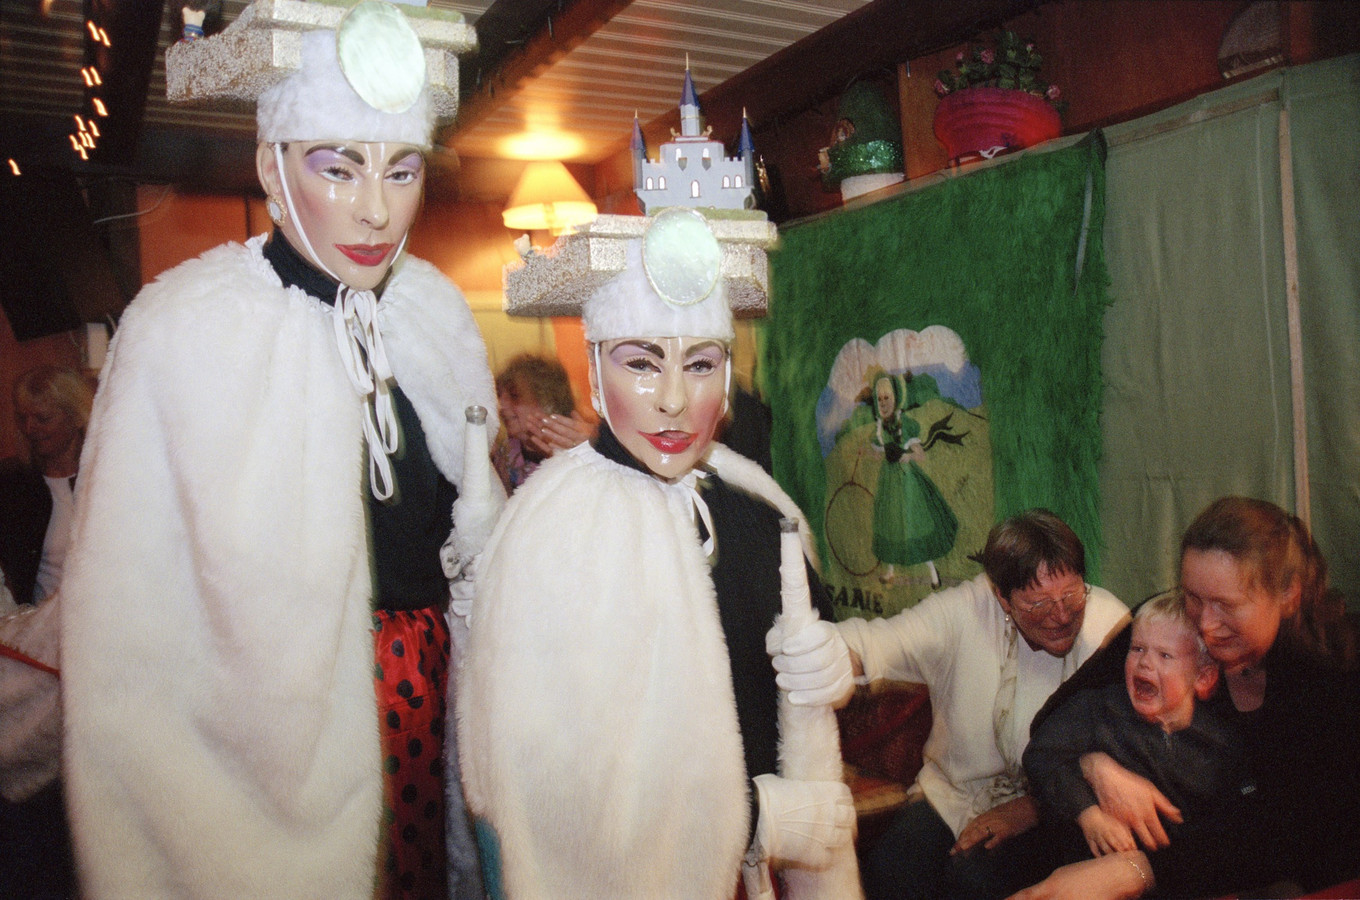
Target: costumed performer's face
(664, 398)
(1237, 616)
(1049, 611)
(354, 201)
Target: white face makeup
(353, 201)
(663, 398)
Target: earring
(275, 210)
(595, 402)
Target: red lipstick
(365, 254)
(670, 442)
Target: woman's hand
(1121, 876)
(998, 824)
(556, 432)
(1130, 798)
(1104, 833)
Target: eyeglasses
(1073, 602)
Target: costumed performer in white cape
(268, 479)
(617, 705)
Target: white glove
(813, 663)
(801, 823)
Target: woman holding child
(1256, 586)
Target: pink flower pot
(988, 120)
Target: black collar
(608, 446)
(295, 270)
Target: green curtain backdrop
(1196, 357)
(1011, 258)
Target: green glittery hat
(867, 139)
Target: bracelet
(1139, 869)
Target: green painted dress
(912, 522)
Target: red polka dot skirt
(412, 656)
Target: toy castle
(691, 169)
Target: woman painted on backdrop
(617, 707)
(1256, 586)
(221, 603)
(912, 522)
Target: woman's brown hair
(1277, 550)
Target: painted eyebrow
(402, 153)
(353, 156)
(644, 346)
(704, 345)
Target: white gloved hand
(801, 823)
(813, 663)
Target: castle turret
(746, 148)
(638, 146)
(691, 169)
(690, 124)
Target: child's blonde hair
(1169, 606)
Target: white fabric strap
(355, 317)
(686, 491)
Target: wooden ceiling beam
(555, 37)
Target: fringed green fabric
(1011, 258)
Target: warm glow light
(85, 73)
(547, 198)
(542, 145)
(94, 129)
(104, 38)
(14, 167)
(75, 141)
(99, 106)
(80, 123)
(93, 29)
(86, 140)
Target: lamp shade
(547, 198)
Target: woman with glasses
(991, 651)
(1255, 584)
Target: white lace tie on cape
(684, 495)
(365, 360)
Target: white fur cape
(597, 722)
(222, 735)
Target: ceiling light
(547, 198)
(539, 145)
